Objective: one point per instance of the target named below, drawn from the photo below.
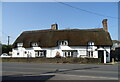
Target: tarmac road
(38, 71)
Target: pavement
(46, 71)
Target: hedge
(53, 60)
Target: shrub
(57, 59)
(57, 56)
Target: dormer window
(91, 43)
(63, 42)
(34, 44)
(19, 44)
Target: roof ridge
(96, 29)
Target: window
(25, 52)
(90, 54)
(91, 43)
(18, 53)
(19, 44)
(41, 53)
(70, 53)
(34, 44)
(36, 53)
(63, 42)
(65, 54)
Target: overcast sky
(23, 16)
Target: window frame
(63, 42)
(18, 53)
(20, 44)
(90, 54)
(40, 53)
(69, 53)
(34, 44)
(91, 43)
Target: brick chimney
(104, 22)
(54, 27)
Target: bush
(53, 60)
(57, 56)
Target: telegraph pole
(8, 40)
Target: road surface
(38, 71)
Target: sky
(26, 16)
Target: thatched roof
(75, 37)
(115, 41)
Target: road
(37, 71)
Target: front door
(101, 55)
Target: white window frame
(69, 53)
(20, 44)
(40, 53)
(91, 43)
(90, 54)
(63, 43)
(34, 44)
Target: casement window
(90, 43)
(18, 53)
(41, 53)
(70, 53)
(90, 54)
(63, 42)
(25, 52)
(19, 44)
(34, 44)
(65, 54)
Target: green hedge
(53, 60)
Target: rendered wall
(51, 52)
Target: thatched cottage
(91, 43)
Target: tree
(6, 48)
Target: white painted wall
(29, 52)
(51, 52)
(82, 53)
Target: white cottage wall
(95, 54)
(51, 52)
(18, 52)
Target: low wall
(53, 60)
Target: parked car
(5, 55)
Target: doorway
(101, 55)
